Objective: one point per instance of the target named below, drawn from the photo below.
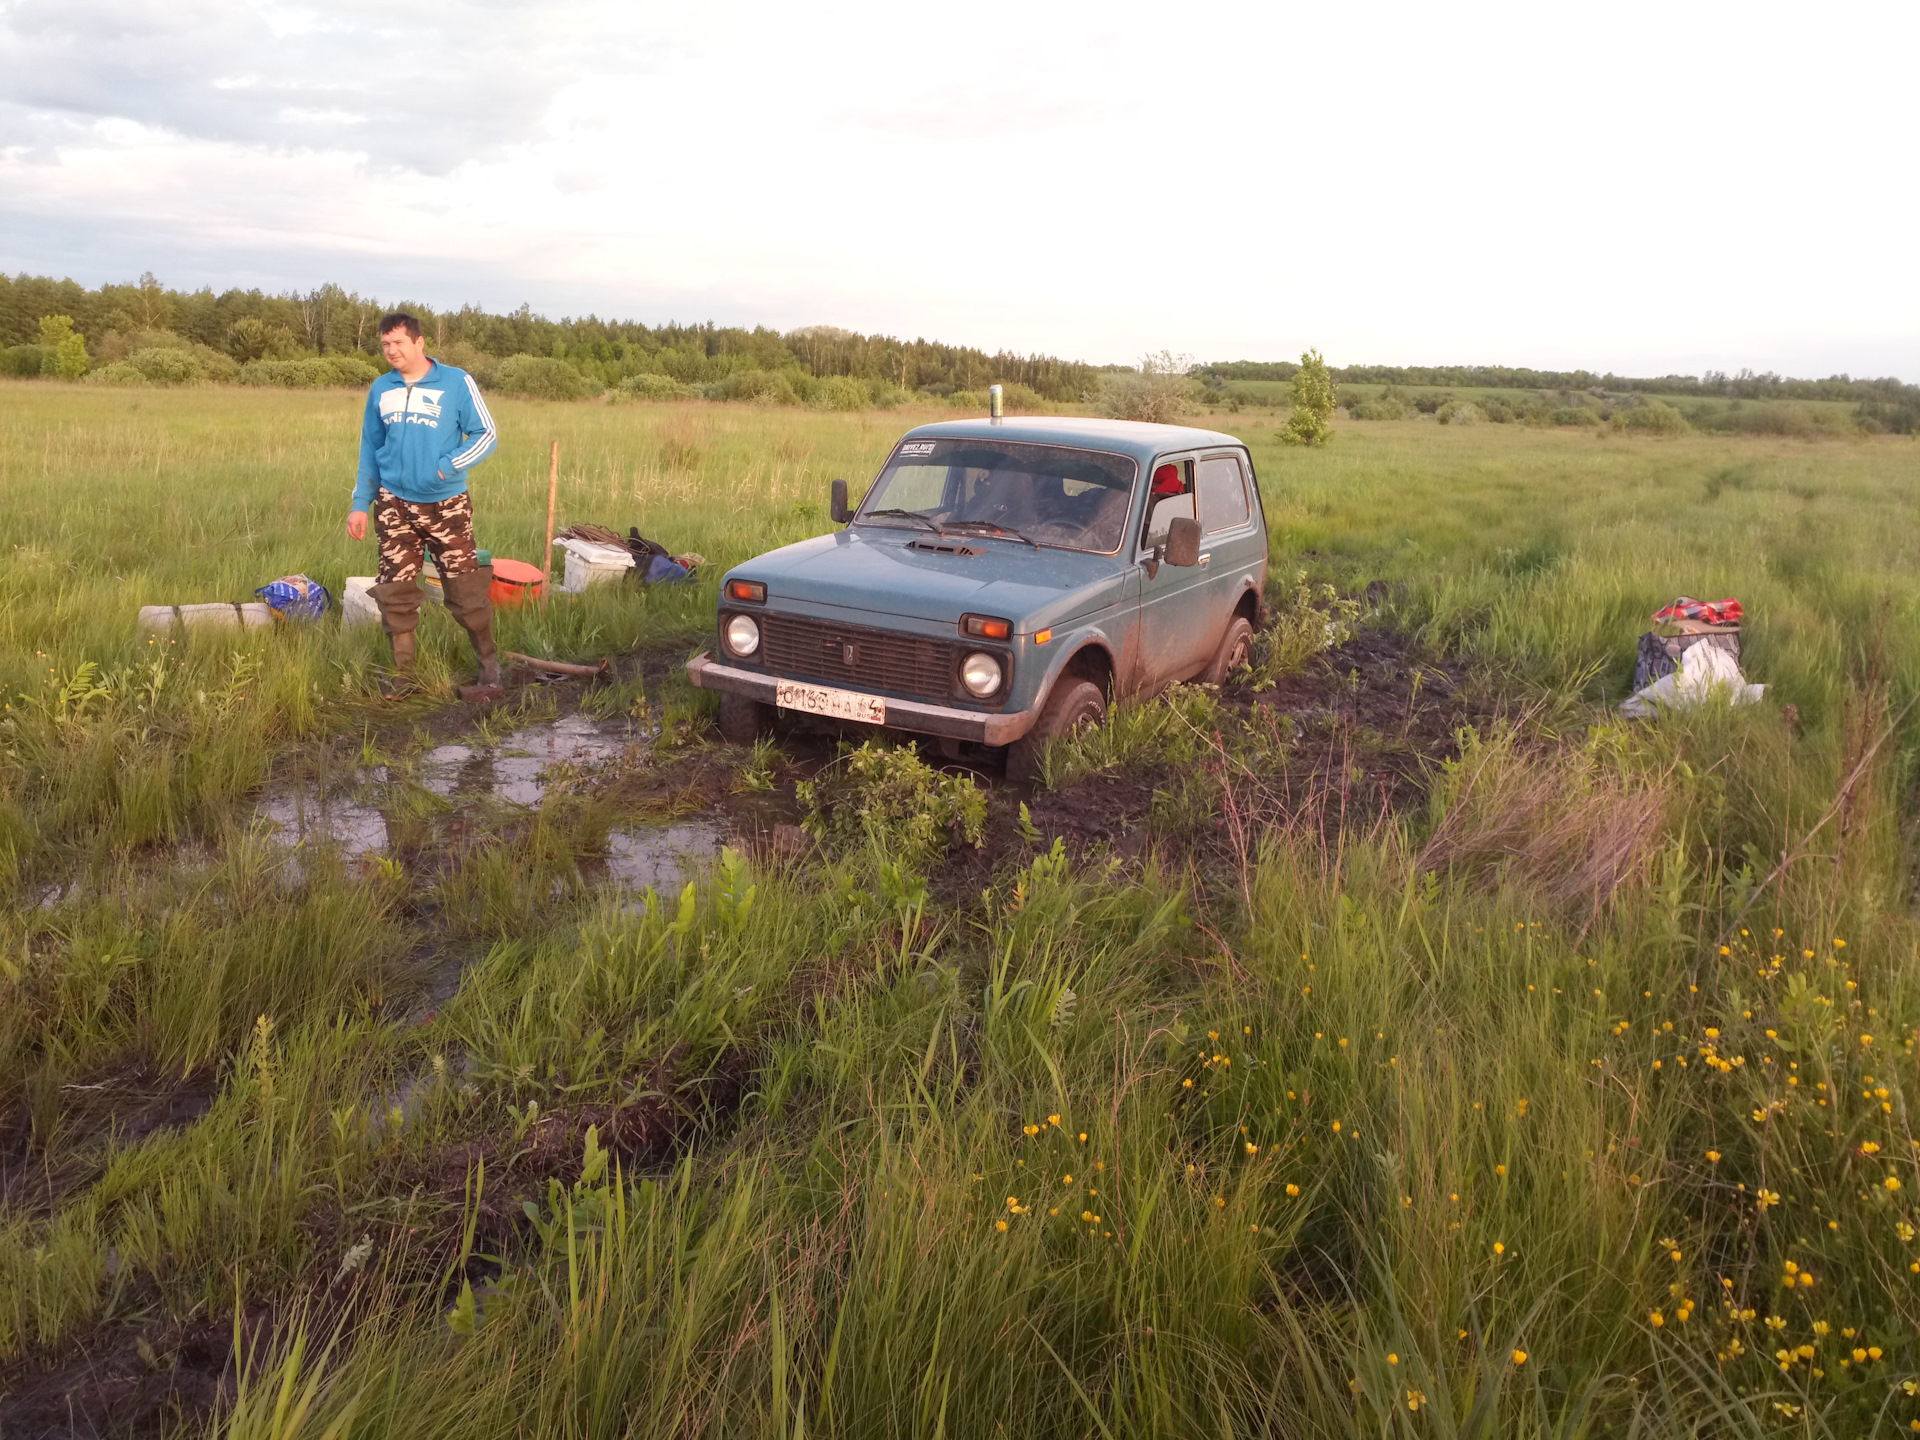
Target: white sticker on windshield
(917, 447)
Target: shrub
(968, 399)
(21, 360)
(894, 797)
(120, 372)
(1876, 418)
(1574, 415)
(1652, 416)
(656, 387)
(1389, 405)
(1159, 391)
(318, 372)
(764, 387)
(1313, 402)
(1023, 399)
(839, 392)
(539, 377)
(169, 365)
(1308, 624)
(1460, 412)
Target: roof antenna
(995, 403)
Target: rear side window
(1222, 488)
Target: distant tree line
(130, 324)
(1746, 385)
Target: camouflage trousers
(406, 531)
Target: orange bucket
(515, 582)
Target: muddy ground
(1347, 740)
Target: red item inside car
(1166, 481)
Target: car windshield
(1045, 494)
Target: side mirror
(841, 514)
(1183, 542)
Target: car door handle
(1206, 556)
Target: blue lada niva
(999, 584)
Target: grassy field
(1566, 1097)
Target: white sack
(1706, 671)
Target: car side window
(1170, 497)
(1222, 488)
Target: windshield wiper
(914, 515)
(989, 525)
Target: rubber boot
(469, 603)
(399, 602)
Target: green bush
(120, 372)
(169, 365)
(656, 387)
(1654, 417)
(891, 795)
(318, 372)
(536, 377)
(1574, 415)
(1460, 412)
(765, 387)
(21, 360)
(1390, 404)
(1159, 392)
(839, 392)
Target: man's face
(404, 352)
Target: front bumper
(948, 720)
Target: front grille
(855, 655)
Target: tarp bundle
(1679, 671)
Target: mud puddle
(522, 767)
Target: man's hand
(357, 525)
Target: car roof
(1128, 437)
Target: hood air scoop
(943, 547)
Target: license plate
(836, 704)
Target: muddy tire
(1073, 704)
(742, 720)
(1236, 648)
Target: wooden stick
(553, 494)
(559, 667)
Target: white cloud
(1650, 187)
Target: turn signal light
(986, 627)
(751, 592)
(1040, 637)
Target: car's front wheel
(744, 720)
(1073, 705)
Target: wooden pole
(553, 494)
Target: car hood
(876, 571)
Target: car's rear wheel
(744, 720)
(1236, 649)
(1073, 705)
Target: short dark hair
(400, 320)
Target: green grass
(1362, 1115)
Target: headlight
(981, 675)
(743, 636)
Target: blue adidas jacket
(420, 440)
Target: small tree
(1159, 392)
(63, 351)
(1313, 402)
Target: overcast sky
(1636, 187)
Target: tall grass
(1527, 1114)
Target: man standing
(425, 427)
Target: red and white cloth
(1700, 612)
